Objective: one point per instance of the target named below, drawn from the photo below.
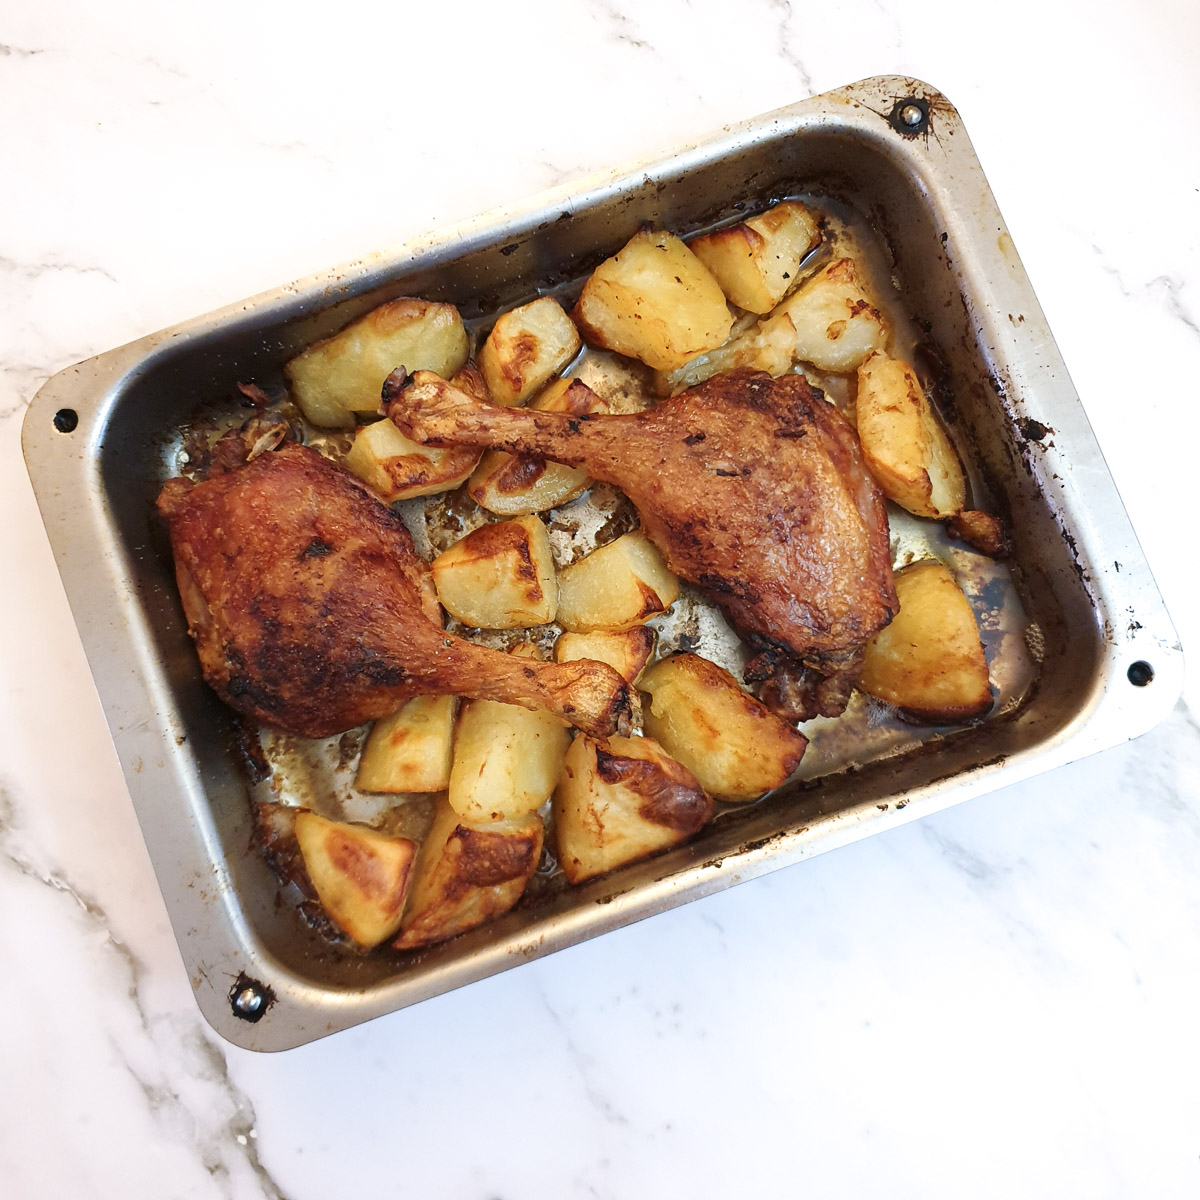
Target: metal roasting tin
(1083, 653)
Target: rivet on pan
(250, 999)
(65, 420)
(910, 116)
(1140, 673)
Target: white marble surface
(997, 1001)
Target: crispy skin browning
(981, 531)
(753, 488)
(621, 799)
(468, 873)
(312, 611)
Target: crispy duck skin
(753, 488)
(312, 611)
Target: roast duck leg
(753, 488)
(312, 611)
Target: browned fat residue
(1034, 431)
(522, 352)
(490, 859)
(367, 870)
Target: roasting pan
(1108, 662)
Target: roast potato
(734, 745)
(929, 661)
(904, 445)
(654, 301)
(756, 261)
(343, 375)
(361, 876)
(467, 873)
(397, 468)
(616, 587)
(768, 345)
(836, 325)
(621, 799)
(513, 485)
(500, 576)
(410, 750)
(981, 531)
(526, 348)
(506, 760)
(626, 652)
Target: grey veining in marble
(996, 1001)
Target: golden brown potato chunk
(756, 261)
(627, 652)
(499, 577)
(836, 324)
(621, 799)
(768, 345)
(981, 531)
(506, 760)
(928, 661)
(467, 873)
(361, 876)
(734, 745)
(616, 587)
(343, 375)
(398, 468)
(903, 442)
(526, 348)
(655, 301)
(514, 485)
(410, 750)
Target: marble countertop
(999, 1000)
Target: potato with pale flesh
(467, 873)
(514, 485)
(655, 301)
(506, 760)
(616, 587)
(500, 576)
(768, 345)
(361, 876)
(756, 261)
(620, 799)
(626, 652)
(397, 468)
(343, 375)
(903, 442)
(734, 745)
(526, 348)
(929, 662)
(836, 324)
(410, 751)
